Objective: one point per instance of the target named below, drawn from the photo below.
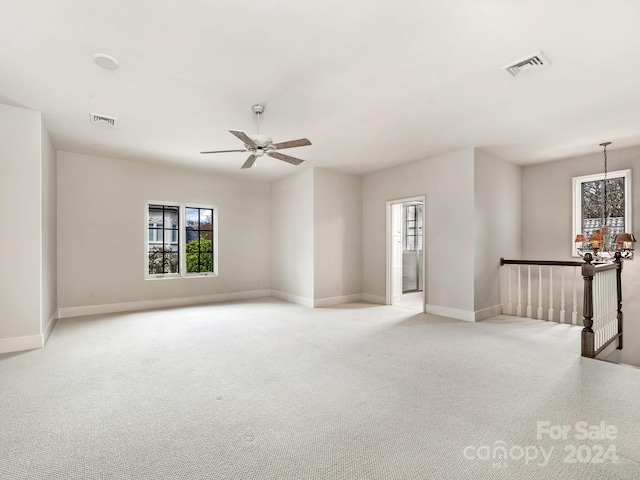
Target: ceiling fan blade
(285, 158)
(301, 142)
(224, 151)
(244, 137)
(249, 162)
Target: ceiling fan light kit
(258, 145)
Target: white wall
(102, 232)
(547, 225)
(498, 226)
(448, 183)
(20, 229)
(292, 237)
(337, 207)
(49, 234)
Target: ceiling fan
(258, 145)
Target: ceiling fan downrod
(258, 110)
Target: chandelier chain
(604, 190)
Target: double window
(595, 206)
(181, 240)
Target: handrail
(550, 263)
(601, 267)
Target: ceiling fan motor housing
(262, 141)
(262, 145)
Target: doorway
(405, 253)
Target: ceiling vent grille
(520, 66)
(103, 120)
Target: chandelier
(600, 244)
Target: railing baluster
(550, 314)
(597, 308)
(539, 313)
(519, 307)
(529, 312)
(562, 269)
(509, 305)
(574, 306)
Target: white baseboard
(378, 299)
(466, 315)
(49, 326)
(287, 297)
(18, 344)
(488, 313)
(328, 302)
(69, 312)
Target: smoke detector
(520, 66)
(103, 120)
(105, 61)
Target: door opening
(405, 258)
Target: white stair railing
(601, 295)
(602, 305)
(547, 287)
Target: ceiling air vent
(102, 120)
(516, 68)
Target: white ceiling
(371, 83)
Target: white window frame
(182, 208)
(577, 201)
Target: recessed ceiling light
(105, 61)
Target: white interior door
(396, 252)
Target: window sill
(188, 275)
(162, 277)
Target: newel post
(588, 272)
(618, 260)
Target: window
(181, 240)
(199, 238)
(413, 226)
(588, 196)
(163, 245)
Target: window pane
(206, 245)
(191, 217)
(155, 260)
(168, 235)
(171, 262)
(154, 236)
(206, 216)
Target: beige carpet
(413, 300)
(269, 390)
